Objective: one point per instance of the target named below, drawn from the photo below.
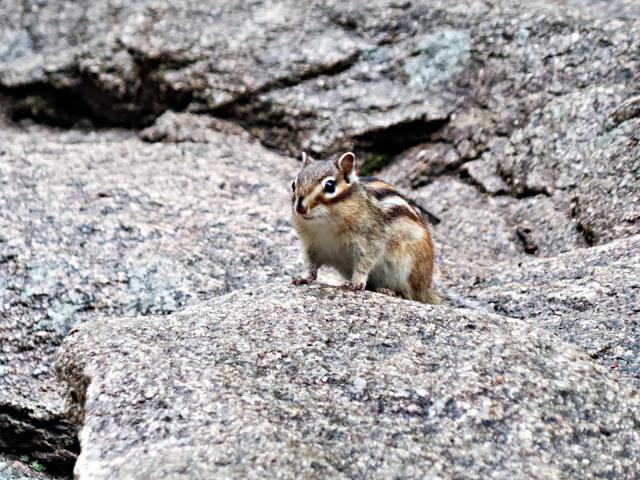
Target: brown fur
(422, 272)
(403, 211)
(364, 229)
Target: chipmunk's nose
(299, 208)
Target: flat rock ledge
(588, 297)
(313, 382)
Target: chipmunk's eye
(330, 186)
(293, 186)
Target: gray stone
(129, 61)
(15, 470)
(420, 164)
(518, 123)
(477, 231)
(314, 382)
(622, 9)
(379, 79)
(582, 144)
(589, 297)
(96, 225)
(607, 199)
(362, 106)
(172, 127)
(483, 173)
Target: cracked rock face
(380, 79)
(585, 146)
(589, 297)
(314, 382)
(515, 124)
(96, 225)
(477, 231)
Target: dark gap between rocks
(589, 236)
(229, 111)
(399, 137)
(452, 170)
(255, 115)
(378, 147)
(52, 441)
(43, 103)
(85, 102)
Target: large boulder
(293, 382)
(589, 297)
(522, 91)
(96, 225)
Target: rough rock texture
(478, 231)
(516, 123)
(589, 297)
(607, 201)
(622, 9)
(381, 78)
(587, 144)
(97, 225)
(172, 127)
(15, 470)
(300, 382)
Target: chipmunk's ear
(306, 159)
(346, 164)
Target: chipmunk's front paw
(354, 287)
(301, 280)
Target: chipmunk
(363, 228)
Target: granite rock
(314, 382)
(589, 297)
(607, 198)
(516, 123)
(96, 225)
(587, 145)
(173, 127)
(382, 79)
(478, 231)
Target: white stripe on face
(306, 202)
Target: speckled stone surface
(589, 297)
(15, 470)
(314, 382)
(478, 231)
(96, 225)
(578, 146)
(516, 122)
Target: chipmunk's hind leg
(372, 287)
(420, 279)
(387, 291)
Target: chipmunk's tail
(433, 298)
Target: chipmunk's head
(320, 184)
